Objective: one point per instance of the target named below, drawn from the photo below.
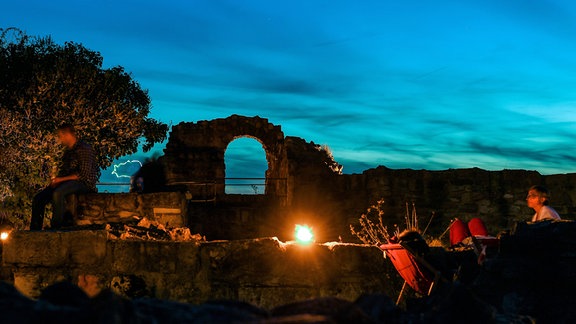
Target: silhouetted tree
(44, 84)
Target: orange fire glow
(304, 234)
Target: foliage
(372, 229)
(329, 159)
(43, 85)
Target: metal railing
(245, 186)
(113, 187)
(207, 191)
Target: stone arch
(229, 185)
(194, 154)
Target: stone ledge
(265, 271)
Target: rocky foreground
(66, 303)
(531, 278)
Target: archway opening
(245, 167)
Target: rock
(380, 308)
(61, 303)
(533, 273)
(213, 312)
(108, 307)
(89, 284)
(130, 286)
(65, 293)
(337, 310)
(456, 304)
(14, 307)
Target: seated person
(538, 199)
(79, 172)
(150, 178)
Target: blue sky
(405, 84)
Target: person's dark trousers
(56, 196)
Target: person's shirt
(81, 160)
(546, 212)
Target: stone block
(355, 259)
(245, 261)
(91, 211)
(177, 287)
(123, 202)
(87, 248)
(169, 217)
(159, 256)
(45, 249)
(29, 284)
(94, 199)
(188, 257)
(221, 291)
(311, 266)
(131, 286)
(271, 297)
(31, 281)
(169, 208)
(352, 290)
(268, 262)
(126, 255)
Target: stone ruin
(303, 185)
(194, 156)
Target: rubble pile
(150, 230)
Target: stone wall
(264, 272)
(304, 185)
(167, 208)
(333, 202)
(313, 191)
(194, 155)
(498, 197)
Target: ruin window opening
(245, 167)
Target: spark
(4, 236)
(119, 165)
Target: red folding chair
(416, 272)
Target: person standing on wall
(539, 199)
(78, 173)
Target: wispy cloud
(406, 84)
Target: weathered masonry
(194, 155)
(265, 272)
(304, 185)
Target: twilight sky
(405, 84)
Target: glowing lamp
(304, 234)
(5, 229)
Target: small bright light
(4, 236)
(304, 234)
